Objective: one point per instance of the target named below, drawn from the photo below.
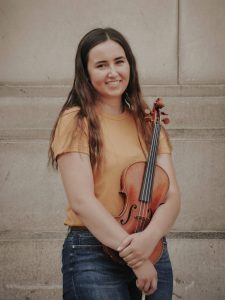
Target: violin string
(151, 172)
(140, 223)
(143, 211)
(148, 163)
(149, 176)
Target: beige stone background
(180, 50)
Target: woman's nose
(112, 71)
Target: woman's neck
(112, 106)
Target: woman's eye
(101, 66)
(120, 62)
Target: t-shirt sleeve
(164, 146)
(69, 137)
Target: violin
(144, 186)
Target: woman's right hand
(146, 277)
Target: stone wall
(180, 50)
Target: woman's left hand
(136, 248)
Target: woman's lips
(113, 83)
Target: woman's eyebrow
(100, 62)
(120, 57)
(105, 61)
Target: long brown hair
(84, 96)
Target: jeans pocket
(68, 254)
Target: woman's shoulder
(70, 119)
(69, 135)
(70, 112)
(70, 116)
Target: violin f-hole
(133, 207)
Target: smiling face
(109, 70)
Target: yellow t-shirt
(122, 147)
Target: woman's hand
(146, 277)
(136, 248)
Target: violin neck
(146, 189)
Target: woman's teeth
(113, 83)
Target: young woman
(99, 132)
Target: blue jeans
(88, 274)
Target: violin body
(131, 182)
(136, 215)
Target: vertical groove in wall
(178, 41)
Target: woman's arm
(76, 173)
(167, 213)
(138, 247)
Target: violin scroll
(152, 116)
(159, 103)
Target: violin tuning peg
(147, 111)
(159, 102)
(148, 118)
(166, 121)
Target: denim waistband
(76, 228)
(82, 235)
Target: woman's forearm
(164, 217)
(166, 214)
(100, 222)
